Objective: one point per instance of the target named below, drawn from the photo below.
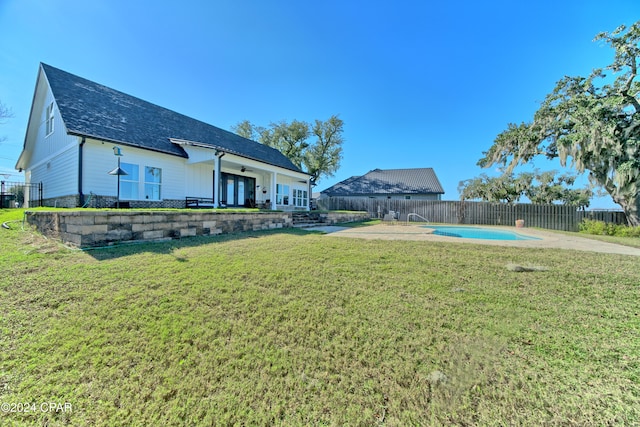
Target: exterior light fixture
(118, 172)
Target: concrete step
(306, 219)
(307, 224)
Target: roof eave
(128, 144)
(178, 141)
(33, 98)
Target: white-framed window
(130, 182)
(282, 194)
(300, 198)
(49, 119)
(152, 183)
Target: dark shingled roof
(96, 111)
(390, 181)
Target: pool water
(477, 233)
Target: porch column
(274, 177)
(216, 179)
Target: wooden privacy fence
(553, 217)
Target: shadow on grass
(115, 251)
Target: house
(166, 159)
(414, 184)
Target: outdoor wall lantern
(118, 172)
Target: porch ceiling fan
(244, 169)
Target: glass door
(230, 193)
(241, 199)
(238, 190)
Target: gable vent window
(49, 120)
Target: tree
(594, 121)
(288, 138)
(323, 157)
(320, 158)
(502, 189)
(538, 187)
(246, 130)
(552, 188)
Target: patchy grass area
(297, 328)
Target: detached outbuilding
(163, 158)
(408, 184)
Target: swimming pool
(477, 233)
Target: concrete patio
(548, 239)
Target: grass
(296, 328)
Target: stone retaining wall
(99, 228)
(331, 218)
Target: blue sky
(418, 83)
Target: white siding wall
(54, 159)
(199, 180)
(99, 160)
(58, 174)
(49, 145)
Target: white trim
(216, 182)
(274, 179)
(263, 165)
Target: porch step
(307, 224)
(306, 219)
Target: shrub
(591, 226)
(602, 228)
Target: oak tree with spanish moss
(591, 123)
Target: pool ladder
(419, 216)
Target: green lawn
(296, 328)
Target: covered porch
(217, 177)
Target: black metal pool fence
(15, 194)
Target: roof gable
(93, 110)
(389, 181)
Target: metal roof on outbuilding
(387, 182)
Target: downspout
(80, 193)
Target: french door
(238, 190)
